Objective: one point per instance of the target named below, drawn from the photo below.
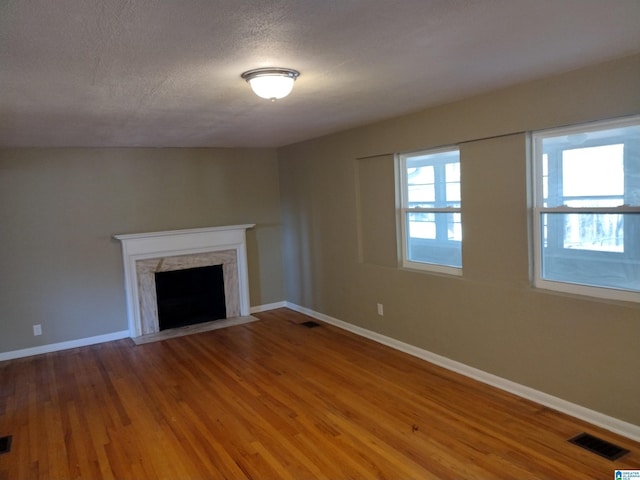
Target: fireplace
(178, 255)
(190, 296)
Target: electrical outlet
(37, 330)
(381, 310)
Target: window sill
(432, 268)
(594, 293)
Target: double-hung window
(587, 209)
(430, 220)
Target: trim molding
(607, 422)
(84, 342)
(54, 347)
(612, 424)
(268, 306)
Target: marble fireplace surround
(146, 253)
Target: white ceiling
(166, 73)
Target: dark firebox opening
(187, 297)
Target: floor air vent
(599, 446)
(5, 444)
(310, 324)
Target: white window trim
(538, 210)
(402, 215)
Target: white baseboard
(54, 347)
(268, 306)
(83, 342)
(612, 424)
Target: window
(587, 209)
(430, 200)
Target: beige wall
(60, 266)
(580, 349)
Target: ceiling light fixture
(271, 83)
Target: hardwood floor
(274, 399)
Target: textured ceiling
(166, 73)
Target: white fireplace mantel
(137, 247)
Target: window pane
(454, 226)
(432, 181)
(453, 194)
(452, 175)
(545, 179)
(452, 171)
(600, 202)
(434, 238)
(428, 225)
(422, 225)
(591, 165)
(592, 251)
(596, 232)
(421, 185)
(585, 168)
(593, 171)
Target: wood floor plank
(273, 399)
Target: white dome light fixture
(271, 83)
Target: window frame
(539, 210)
(404, 210)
